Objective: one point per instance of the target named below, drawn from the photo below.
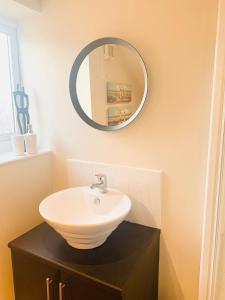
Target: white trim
(214, 168)
(5, 137)
(6, 146)
(11, 30)
(12, 158)
(5, 143)
(10, 22)
(91, 162)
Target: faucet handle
(101, 177)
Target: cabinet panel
(124, 267)
(30, 278)
(77, 288)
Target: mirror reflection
(110, 84)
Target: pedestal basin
(85, 217)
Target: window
(9, 78)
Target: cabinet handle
(61, 287)
(48, 286)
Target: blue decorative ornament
(21, 101)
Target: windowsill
(10, 157)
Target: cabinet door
(74, 287)
(32, 279)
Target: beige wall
(23, 184)
(176, 39)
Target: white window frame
(12, 32)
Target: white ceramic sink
(85, 217)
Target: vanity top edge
(110, 264)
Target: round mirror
(108, 84)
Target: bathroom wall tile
(144, 189)
(117, 176)
(143, 186)
(79, 173)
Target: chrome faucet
(101, 184)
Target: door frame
(214, 174)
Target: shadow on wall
(168, 277)
(145, 213)
(60, 176)
(169, 285)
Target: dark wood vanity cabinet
(45, 267)
(32, 276)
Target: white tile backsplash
(143, 186)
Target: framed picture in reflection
(118, 114)
(118, 92)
